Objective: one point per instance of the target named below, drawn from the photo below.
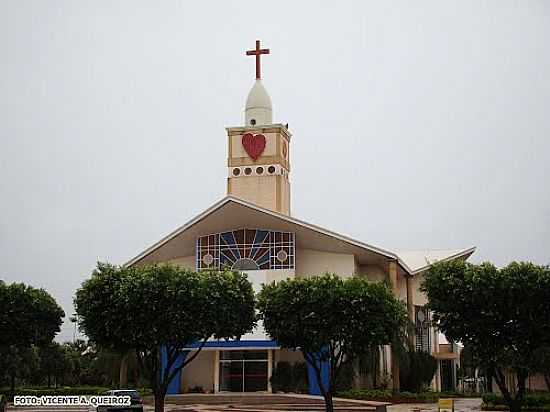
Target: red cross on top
(257, 52)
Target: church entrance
(243, 371)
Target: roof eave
(466, 253)
(289, 219)
(176, 232)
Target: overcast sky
(415, 124)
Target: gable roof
(317, 235)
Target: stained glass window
(246, 249)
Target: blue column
(175, 384)
(312, 376)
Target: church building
(253, 230)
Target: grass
(535, 402)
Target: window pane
(257, 354)
(231, 376)
(260, 246)
(232, 354)
(255, 376)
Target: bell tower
(258, 152)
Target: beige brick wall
(188, 262)
(372, 272)
(313, 262)
(200, 372)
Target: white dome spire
(258, 109)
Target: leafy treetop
(158, 308)
(501, 314)
(330, 319)
(28, 316)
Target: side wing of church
(252, 230)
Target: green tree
(501, 314)
(472, 368)
(330, 319)
(104, 367)
(55, 362)
(159, 308)
(542, 364)
(28, 316)
(18, 363)
(416, 370)
(76, 361)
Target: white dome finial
(258, 109)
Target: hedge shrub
(388, 396)
(299, 377)
(417, 369)
(289, 378)
(344, 381)
(281, 378)
(533, 401)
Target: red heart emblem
(253, 144)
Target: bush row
(388, 396)
(535, 401)
(400, 397)
(290, 378)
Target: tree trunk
(329, 406)
(375, 359)
(521, 376)
(514, 403)
(136, 377)
(159, 402)
(395, 371)
(49, 380)
(501, 383)
(326, 393)
(12, 384)
(547, 380)
(123, 372)
(489, 379)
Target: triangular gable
(212, 220)
(232, 213)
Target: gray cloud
(415, 126)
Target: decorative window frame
(262, 246)
(423, 338)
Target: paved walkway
(461, 405)
(265, 403)
(272, 403)
(295, 403)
